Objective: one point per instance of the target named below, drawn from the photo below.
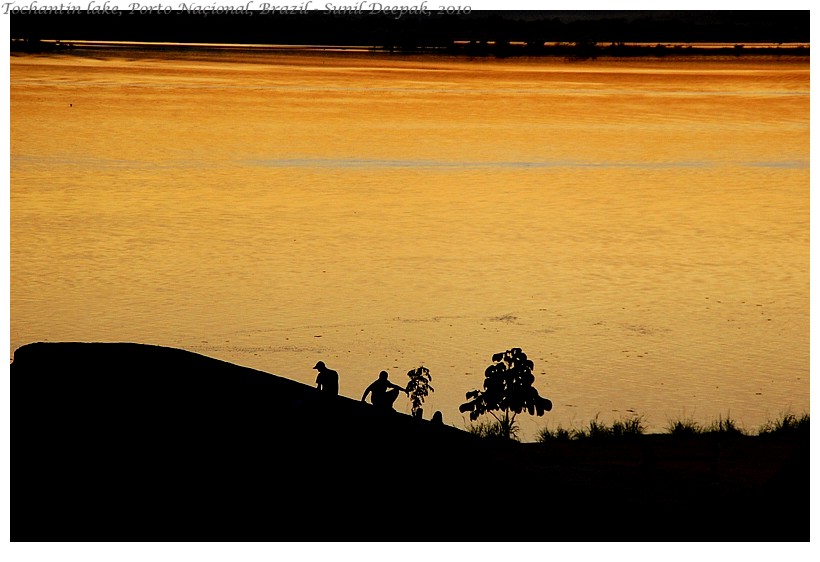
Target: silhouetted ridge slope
(135, 442)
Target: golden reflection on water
(640, 229)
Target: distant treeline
(485, 32)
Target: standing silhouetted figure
(379, 395)
(327, 381)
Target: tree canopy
(507, 388)
(419, 388)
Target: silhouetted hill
(130, 442)
(137, 442)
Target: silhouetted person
(327, 381)
(380, 396)
(437, 419)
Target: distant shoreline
(480, 50)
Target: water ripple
(438, 164)
(368, 163)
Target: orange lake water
(639, 228)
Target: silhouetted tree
(418, 388)
(507, 388)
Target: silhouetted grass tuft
(684, 428)
(493, 430)
(596, 430)
(559, 434)
(725, 427)
(629, 427)
(787, 424)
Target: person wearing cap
(379, 395)
(327, 381)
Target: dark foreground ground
(129, 442)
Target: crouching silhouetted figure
(380, 396)
(327, 381)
